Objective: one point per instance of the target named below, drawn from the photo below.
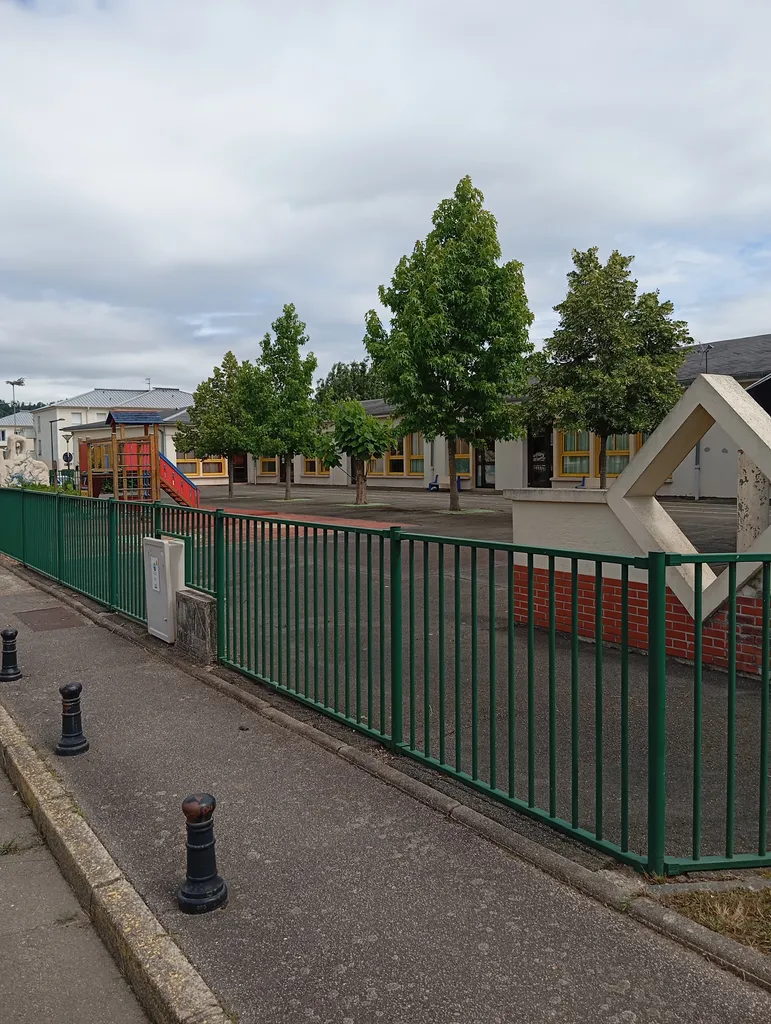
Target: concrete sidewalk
(349, 901)
(54, 968)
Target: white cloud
(163, 160)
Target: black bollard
(72, 740)
(203, 890)
(10, 668)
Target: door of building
(484, 461)
(239, 468)
(282, 471)
(539, 460)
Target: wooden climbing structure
(133, 468)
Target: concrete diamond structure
(631, 497)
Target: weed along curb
(621, 891)
(170, 990)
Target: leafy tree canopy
(611, 365)
(349, 380)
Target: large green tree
(455, 349)
(346, 381)
(222, 420)
(290, 417)
(611, 365)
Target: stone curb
(625, 893)
(169, 989)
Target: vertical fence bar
(240, 596)
(263, 608)
(219, 569)
(552, 692)
(411, 630)
(325, 611)
(357, 572)
(530, 681)
(381, 642)
(250, 527)
(395, 551)
(306, 604)
(598, 703)
(442, 726)
(697, 710)
(288, 571)
(426, 653)
(271, 602)
(347, 620)
(297, 630)
(574, 710)
(730, 799)
(474, 669)
(335, 621)
(764, 711)
(279, 604)
(657, 722)
(492, 668)
(458, 624)
(59, 537)
(112, 551)
(315, 614)
(510, 675)
(624, 707)
(370, 601)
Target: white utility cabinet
(164, 562)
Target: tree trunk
(361, 483)
(603, 462)
(230, 478)
(288, 459)
(454, 496)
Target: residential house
(24, 422)
(90, 409)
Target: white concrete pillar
(752, 509)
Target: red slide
(175, 483)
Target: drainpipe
(697, 472)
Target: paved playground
(349, 901)
(711, 526)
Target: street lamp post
(59, 419)
(18, 383)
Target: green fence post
(59, 536)
(23, 531)
(157, 519)
(112, 550)
(395, 553)
(657, 697)
(219, 578)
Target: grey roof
(743, 358)
(178, 416)
(82, 427)
(377, 407)
(160, 398)
(134, 417)
(23, 419)
(117, 398)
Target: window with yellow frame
(268, 466)
(314, 467)
(394, 462)
(415, 455)
(462, 457)
(618, 451)
(575, 456)
(188, 464)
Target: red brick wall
(679, 622)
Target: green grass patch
(739, 914)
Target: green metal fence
(469, 656)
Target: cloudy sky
(173, 171)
